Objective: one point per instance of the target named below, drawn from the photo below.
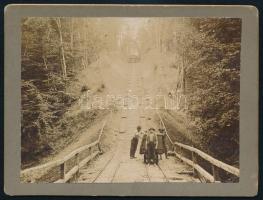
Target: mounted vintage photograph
(130, 99)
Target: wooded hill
(54, 51)
(206, 53)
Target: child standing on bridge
(161, 147)
(134, 142)
(143, 146)
(152, 143)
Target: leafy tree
(214, 85)
(206, 54)
(54, 51)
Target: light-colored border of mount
(248, 185)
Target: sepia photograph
(130, 99)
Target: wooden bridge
(189, 163)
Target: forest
(54, 51)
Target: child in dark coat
(134, 142)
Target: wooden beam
(62, 171)
(71, 173)
(198, 168)
(58, 162)
(204, 173)
(218, 163)
(233, 170)
(215, 173)
(194, 161)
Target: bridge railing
(65, 169)
(194, 157)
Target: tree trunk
(25, 50)
(62, 51)
(86, 45)
(71, 34)
(183, 74)
(45, 61)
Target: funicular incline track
(116, 165)
(119, 167)
(174, 169)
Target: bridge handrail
(59, 161)
(215, 162)
(62, 161)
(219, 164)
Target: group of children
(152, 144)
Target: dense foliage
(214, 85)
(54, 51)
(208, 58)
(206, 54)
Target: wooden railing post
(216, 173)
(194, 162)
(76, 164)
(62, 170)
(173, 147)
(180, 152)
(90, 151)
(100, 151)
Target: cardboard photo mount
(248, 184)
